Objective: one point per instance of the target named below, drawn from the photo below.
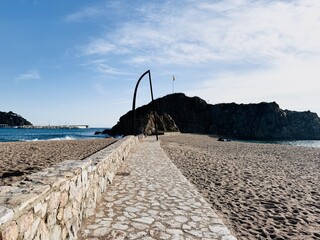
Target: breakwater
(54, 127)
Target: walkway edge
(220, 225)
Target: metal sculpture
(152, 103)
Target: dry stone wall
(51, 204)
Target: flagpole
(173, 79)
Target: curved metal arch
(134, 103)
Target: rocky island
(261, 121)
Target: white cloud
(294, 85)
(30, 75)
(233, 30)
(249, 50)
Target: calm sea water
(303, 143)
(14, 134)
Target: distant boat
(82, 126)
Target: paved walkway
(151, 199)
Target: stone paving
(151, 199)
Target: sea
(25, 135)
(301, 143)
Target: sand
(18, 159)
(261, 191)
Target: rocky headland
(262, 121)
(12, 119)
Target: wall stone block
(11, 232)
(25, 222)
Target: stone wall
(51, 204)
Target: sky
(77, 61)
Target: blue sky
(77, 62)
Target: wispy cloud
(101, 66)
(85, 13)
(94, 12)
(231, 30)
(104, 68)
(30, 75)
(100, 89)
(101, 47)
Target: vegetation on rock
(12, 119)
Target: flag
(173, 78)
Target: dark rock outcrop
(12, 119)
(264, 121)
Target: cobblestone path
(151, 199)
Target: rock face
(164, 124)
(12, 119)
(264, 121)
(144, 124)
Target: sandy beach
(18, 159)
(261, 191)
